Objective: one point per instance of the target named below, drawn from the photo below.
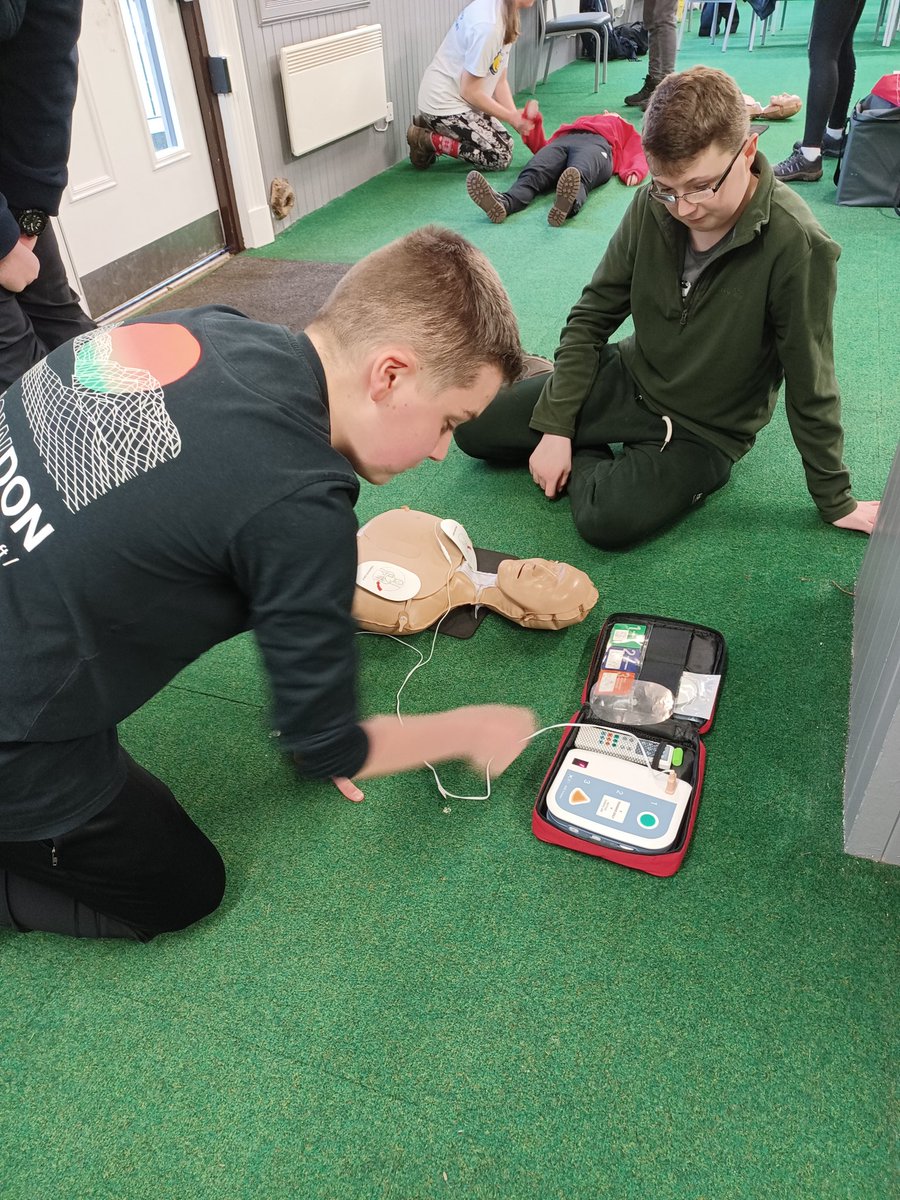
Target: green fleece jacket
(759, 313)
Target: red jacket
(628, 154)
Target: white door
(141, 203)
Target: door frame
(230, 135)
(211, 29)
(198, 53)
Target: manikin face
(539, 586)
(407, 422)
(718, 214)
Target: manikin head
(415, 339)
(698, 143)
(541, 594)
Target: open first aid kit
(626, 778)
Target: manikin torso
(428, 566)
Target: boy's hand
(632, 180)
(496, 734)
(348, 788)
(20, 267)
(479, 734)
(862, 518)
(551, 464)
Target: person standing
(659, 18)
(832, 72)
(38, 81)
(465, 97)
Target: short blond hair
(436, 292)
(689, 112)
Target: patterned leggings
(483, 140)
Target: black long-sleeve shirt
(165, 485)
(38, 82)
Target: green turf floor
(415, 998)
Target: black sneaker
(831, 147)
(639, 99)
(798, 168)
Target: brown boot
(485, 197)
(641, 98)
(566, 194)
(421, 149)
(535, 364)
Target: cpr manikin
(415, 567)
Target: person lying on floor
(173, 481)
(576, 159)
(730, 282)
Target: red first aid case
(626, 779)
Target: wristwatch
(32, 221)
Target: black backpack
(633, 38)
(625, 41)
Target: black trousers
(589, 152)
(832, 66)
(43, 316)
(617, 499)
(138, 868)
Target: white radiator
(333, 86)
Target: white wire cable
(565, 725)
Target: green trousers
(618, 498)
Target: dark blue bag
(717, 13)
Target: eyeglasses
(701, 195)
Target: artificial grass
(413, 997)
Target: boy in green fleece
(730, 282)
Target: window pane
(152, 77)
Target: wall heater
(333, 86)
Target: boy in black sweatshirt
(168, 483)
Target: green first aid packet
(628, 636)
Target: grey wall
(412, 30)
(872, 782)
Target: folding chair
(890, 15)
(766, 24)
(686, 14)
(596, 24)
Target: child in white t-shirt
(465, 95)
